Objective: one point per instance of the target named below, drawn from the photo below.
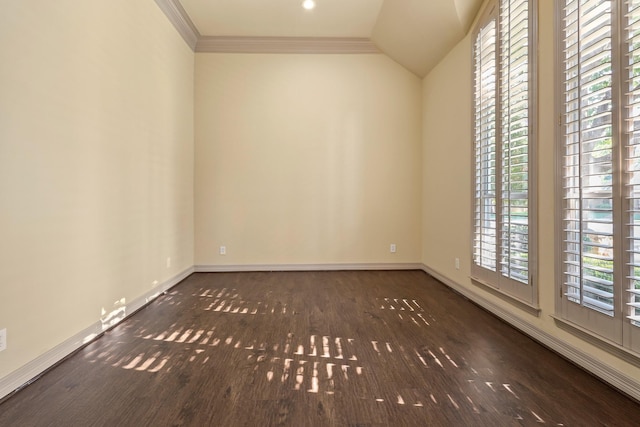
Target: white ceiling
(415, 33)
(283, 18)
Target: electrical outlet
(3, 339)
(457, 263)
(168, 262)
(392, 248)
(223, 250)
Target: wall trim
(615, 378)
(597, 341)
(180, 20)
(532, 309)
(31, 371)
(306, 267)
(226, 44)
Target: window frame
(614, 333)
(523, 295)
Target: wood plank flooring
(350, 349)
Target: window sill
(598, 341)
(532, 309)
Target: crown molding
(178, 16)
(228, 44)
(180, 20)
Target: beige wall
(447, 164)
(96, 164)
(300, 159)
(306, 159)
(447, 159)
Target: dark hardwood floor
(315, 349)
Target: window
(504, 205)
(599, 152)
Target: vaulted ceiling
(415, 33)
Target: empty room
(319, 213)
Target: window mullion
(620, 228)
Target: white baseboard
(617, 379)
(306, 267)
(32, 370)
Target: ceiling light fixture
(308, 4)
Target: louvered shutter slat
(514, 89)
(587, 172)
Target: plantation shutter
(588, 164)
(485, 245)
(631, 133)
(514, 114)
(502, 86)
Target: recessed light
(308, 4)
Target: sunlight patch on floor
(323, 364)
